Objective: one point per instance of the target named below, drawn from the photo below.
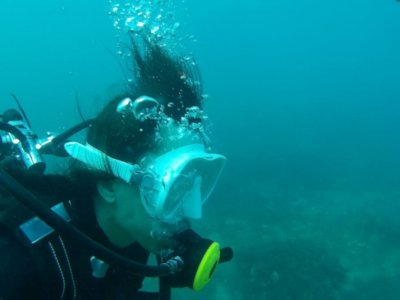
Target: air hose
(13, 130)
(56, 142)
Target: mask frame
(173, 186)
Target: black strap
(37, 261)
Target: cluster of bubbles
(155, 18)
(190, 126)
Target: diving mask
(173, 186)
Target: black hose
(66, 134)
(226, 254)
(22, 110)
(55, 146)
(13, 130)
(60, 225)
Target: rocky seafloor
(337, 243)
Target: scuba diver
(131, 190)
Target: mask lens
(178, 190)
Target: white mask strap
(98, 160)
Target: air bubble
(155, 29)
(115, 9)
(184, 122)
(194, 112)
(195, 126)
(145, 108)
(153, 17)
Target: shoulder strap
(48, 253)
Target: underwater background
(303, 99)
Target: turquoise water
(304, 100)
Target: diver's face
(128, 220)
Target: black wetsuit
(59, 268)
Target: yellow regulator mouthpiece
(206, 267)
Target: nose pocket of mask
(192, 202)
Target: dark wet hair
(173, 81)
